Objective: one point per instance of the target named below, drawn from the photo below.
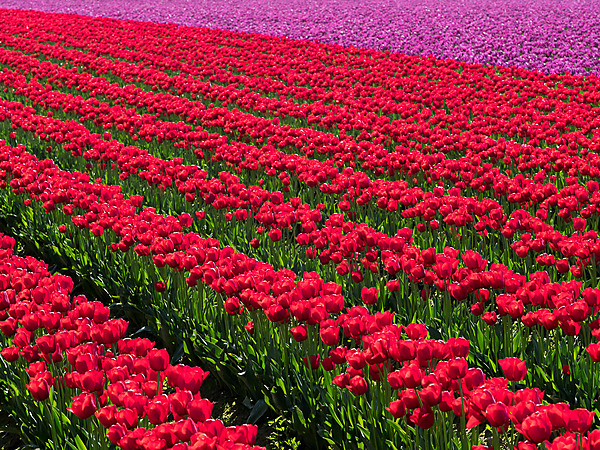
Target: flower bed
(543, 35)
(388, 249)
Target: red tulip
(397, 408)
(330, 335)
(562, 266)
(594, 439)
(184, 430)
(184, 377)
(128, 417)
(357, 385)
(459, 347)
(199, 409)
(158, 409)
(431, 395)
(457, 368)
(115, 433)
(39, 389)
(159, 359)
(275, 234)
(402, 350)
(514, 369)
(84, 405)
(594, 351)
(489, 317)
(423, 417)
(10, 354)
(497, 414)
(232, 306)
(179, 401)
(299, 333)
(579, 420)
(93, 380)
(356, 358)
(106, 416)
(135, 401)
(536, 428)
(312, 361)
(411, 376)
(481, 399)
(393, 285)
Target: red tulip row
(540, 156)
(342, 240)
(183, 104)
(268, 59)
(546, 192)
(454, 211)
(71, 347)
(434, 375)
(428, 374)
(498, 100)
(545, 224)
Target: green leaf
(336, 417)
(178, 354)
(480, 339)
(259, 410)
(78, 445)
(57, 421)
(9, 430)
(396, 426)
(390, 445)
(366, 434)
(300, 415)
(279, 382)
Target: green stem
(51, 422)
(463, 427)
(496, 438)
(507, 333)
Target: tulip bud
(514, 369)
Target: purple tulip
(551, 36)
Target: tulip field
(388, 250)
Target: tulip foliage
(391, 250)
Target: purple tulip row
(551, 36)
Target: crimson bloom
(578, 420)
(159, 359)
(106, 416)
(397, 408)
(93, 380)
(497, 414)
(158, 409)
(330, 335)
(594, 351)
(423, 417)
(299, 333)
(514, 369)
(457, 368)
(200, 409)
(84, 405)
(39, 388)
(536, 428)
(369, 295)
(10, 354)
(357, 385)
